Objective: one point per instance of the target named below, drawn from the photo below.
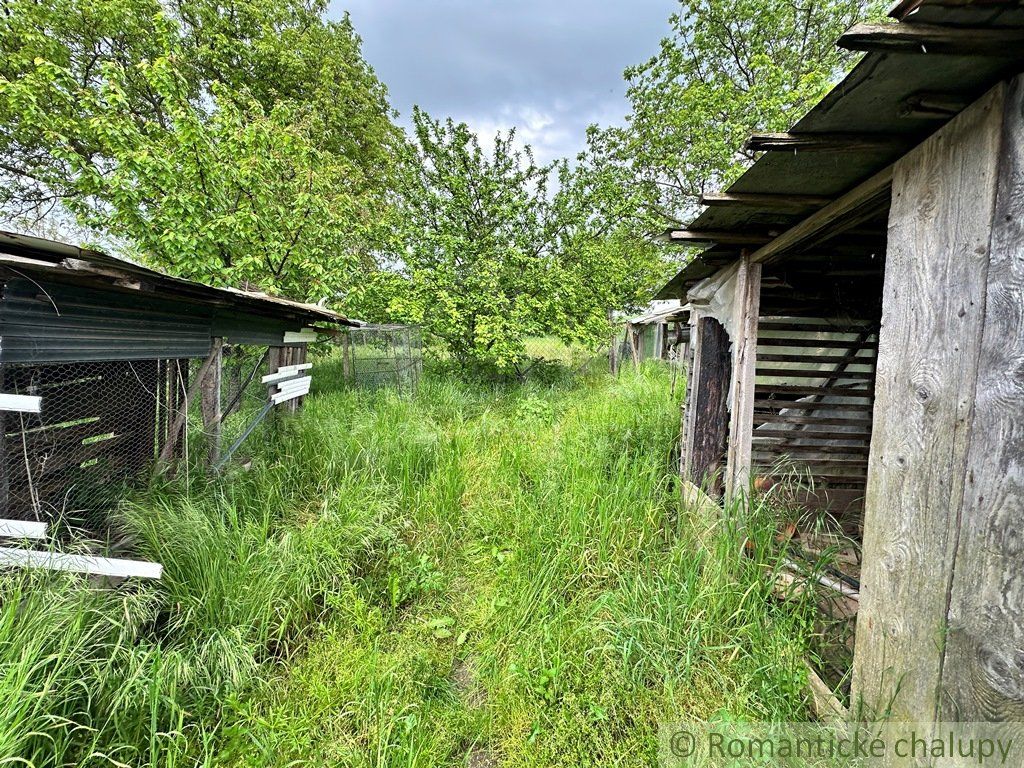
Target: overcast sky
(549, 67)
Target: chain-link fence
(550, 353)
(103, 426)
(381, 355)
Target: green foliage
(228, 144)
(728, 68)
(497, 247)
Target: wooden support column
(182, 404)
(210, 385)
(707, 416)
(940, 633)
(746, 308)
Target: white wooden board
(21, 403)
(287, 372)
(305, 336)
(22, 529)
(97, 566)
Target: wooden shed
(859, 314)
(100, 360)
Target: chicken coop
(109, 370)
(856, 323)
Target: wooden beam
(167, 452)
(1005, 43)
(821, 220)
(773, 202)
(823, 142)
(209, 401)
(938, 106)
(695, 236)
(746, 309)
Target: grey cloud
(549, 67)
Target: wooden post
(210, 385)
(940, 633)
(686, 441)
(707, 417)
(631, 334)
(746, 308)
(346, 362)
(181, 412)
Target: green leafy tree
(728, 68)
(227, 142)
(499, 248)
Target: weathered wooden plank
(817, 405)
(788, 418)
(934, 303)
(934, 38)
(823, 142)
(806, 373)
(822, 220)
(710, 416)
(782, 203)
(833, 391)
(777, 341)
(746, 308)
(817, 359)
(861, 436)
(983, 665)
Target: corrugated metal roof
(70, 263)
(875, 98)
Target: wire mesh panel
(382, 355)
(99, 426)
(103, 425)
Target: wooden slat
(802, 405)
(805, 373)
(788, 418)
(814, 450)
(837, 391)
(812, 327)
(824, 435)
(781, 341)
(817, 359)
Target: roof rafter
(781, 203)
(823, 142)
(935, 39)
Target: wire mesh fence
(102, 428)
(381, 355)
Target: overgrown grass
(466, 575)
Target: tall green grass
(472, 573)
